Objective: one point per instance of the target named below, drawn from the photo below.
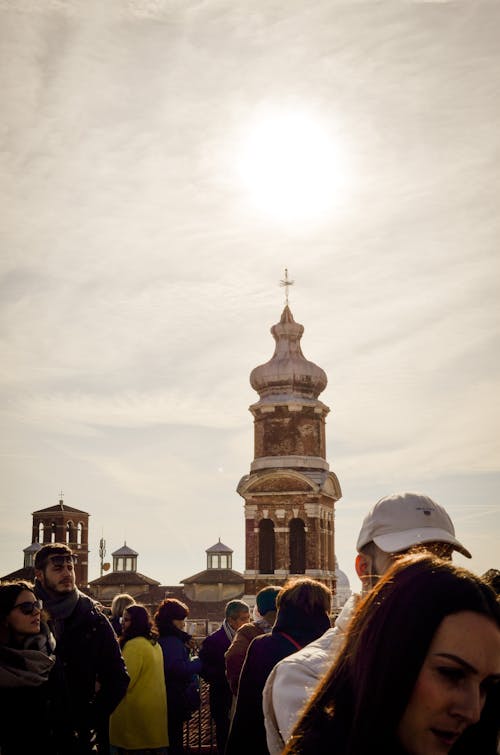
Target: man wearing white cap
(395, 525)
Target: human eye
(452, 674)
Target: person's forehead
(473, 637)
(60, 558)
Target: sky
(162, 163)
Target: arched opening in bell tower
(266, 547)
(297, 547)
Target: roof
(27, 573)
(214, 576)
(125, 551)
(219, 548)
(123, 578)
(60, 507)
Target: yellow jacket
(140, 720)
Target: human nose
(470, 703)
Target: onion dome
(288, 372)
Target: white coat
(293, 680)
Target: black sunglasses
(29, 607)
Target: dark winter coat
(213, 671)
(290, 633)
(94, 671)
(181, 675)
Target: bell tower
(64, 524)
(290, 493)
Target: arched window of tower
(266, 547)
(297, 546)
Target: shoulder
(138, 646)
(347, 612)
(215, 638)
(311, 662)
(248, 632)
(172, 645)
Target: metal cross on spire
(286, 284)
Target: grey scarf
(30, 665)
(230, 632)
(59, 608)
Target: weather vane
(286, 283)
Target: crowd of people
(411, 666)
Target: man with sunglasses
(87, 652)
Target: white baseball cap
(398, 522)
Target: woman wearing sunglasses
(26, 661)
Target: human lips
(447, 737)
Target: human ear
(362, 564)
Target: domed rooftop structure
(288, 372)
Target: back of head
(140, 624)
(235, 607)
(120, 603)
(9, 592)
(305, 596)
(266, 599)
(51, 549)
(402, 521)
(168, 611)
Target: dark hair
(492, 577)
(308, 595)
(9, 592)
(235, 607)
(51, 549)
(140, 625)
(364, 695)
(266, 599)
(168, 611)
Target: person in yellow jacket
(139, 723)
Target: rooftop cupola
(125, 559)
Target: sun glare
(291, 168)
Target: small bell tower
(64, 524)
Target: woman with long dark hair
(139, 723)
(181, 668)
(419, 672)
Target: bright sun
(292, 168)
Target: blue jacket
(181, 677)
